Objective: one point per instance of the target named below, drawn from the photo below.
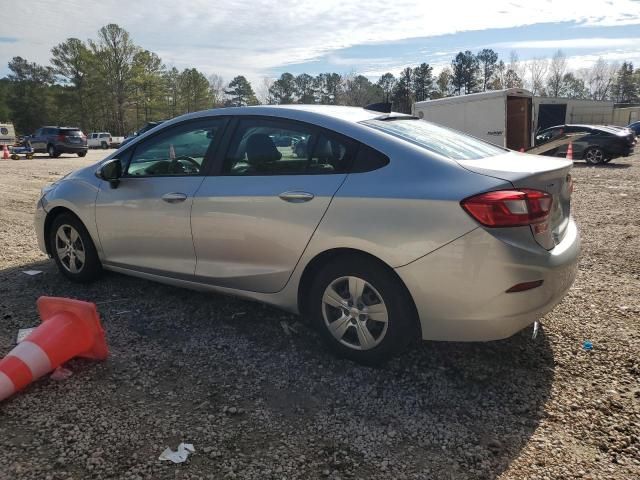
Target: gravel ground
(258, 404)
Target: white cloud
(578, 43)
(253, 37)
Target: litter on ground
(180, 455)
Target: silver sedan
(378, 228)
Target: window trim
(208, 156)
(316, 130)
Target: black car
(635, 128)
(146, 128)
(58, 140)
(600, 144)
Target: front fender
(78, 196)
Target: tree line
(112, 84)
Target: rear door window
(283, 147)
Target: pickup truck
(103, 140)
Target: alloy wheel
(355, 313)
(70, 249)
(594, 155)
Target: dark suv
(58, 140)
(600, 144)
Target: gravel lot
(220, 373)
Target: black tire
(91, 268)
(104, 145)
(594, 155)
(82, 154)
(402, 326)
(53, 153)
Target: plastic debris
(24, 333)
(237, 314)
(60, 374)
(536, 327)
(180, 455)
(32, 272)
(587, 345)
(285, 328)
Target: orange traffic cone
(5, 152)
(70, 328)
(570, 151)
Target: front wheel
(82, 154)
(73, 250)
(362, 310)
(594, 156)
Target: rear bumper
(459, 290)
(63, 148)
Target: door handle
(296, 197)
(174, 197)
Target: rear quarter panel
(402, 211)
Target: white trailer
(502, 117)
(552, 111)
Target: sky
(266, 38)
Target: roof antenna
(382, 107)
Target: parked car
(103, 140)
(635, 128)
(7, 134)
(144, 129)
(389, 229)
(601, 144)
(58, 140)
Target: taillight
(509, 208)
(61, 138)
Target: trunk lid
(548, 174)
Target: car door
(36, 140)
(253, 218)
(144, 223)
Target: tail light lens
(509, 208)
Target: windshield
(435, 138)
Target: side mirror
(110, 171)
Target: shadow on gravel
(442, 410)
(612, 166)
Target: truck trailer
(501, 117)
(552, 111)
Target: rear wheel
(594, 156)
(53, 153)
(361, 310)
(73, 250)
(82, 154)
(104, 145)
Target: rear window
(435, 138)
(71, 132)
